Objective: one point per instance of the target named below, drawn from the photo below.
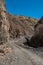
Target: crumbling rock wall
(21, 25)
(4, 25)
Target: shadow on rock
(35, 41)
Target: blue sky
(30, 8)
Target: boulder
(37, 38)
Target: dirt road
(27, 56)
(21, 56)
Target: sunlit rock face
(4, 25)
(21, 25)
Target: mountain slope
(21, 25)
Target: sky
(29, 8)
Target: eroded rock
(37, 39)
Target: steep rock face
(37, 39)
(4, 35)
(4, 25)
(39, 27)
(20, 25)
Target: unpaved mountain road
(25, 56)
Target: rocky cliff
(21, 25)
(4, 34)
(16, 26)
(4, 24)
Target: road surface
(26, 56)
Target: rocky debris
(6, 54)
